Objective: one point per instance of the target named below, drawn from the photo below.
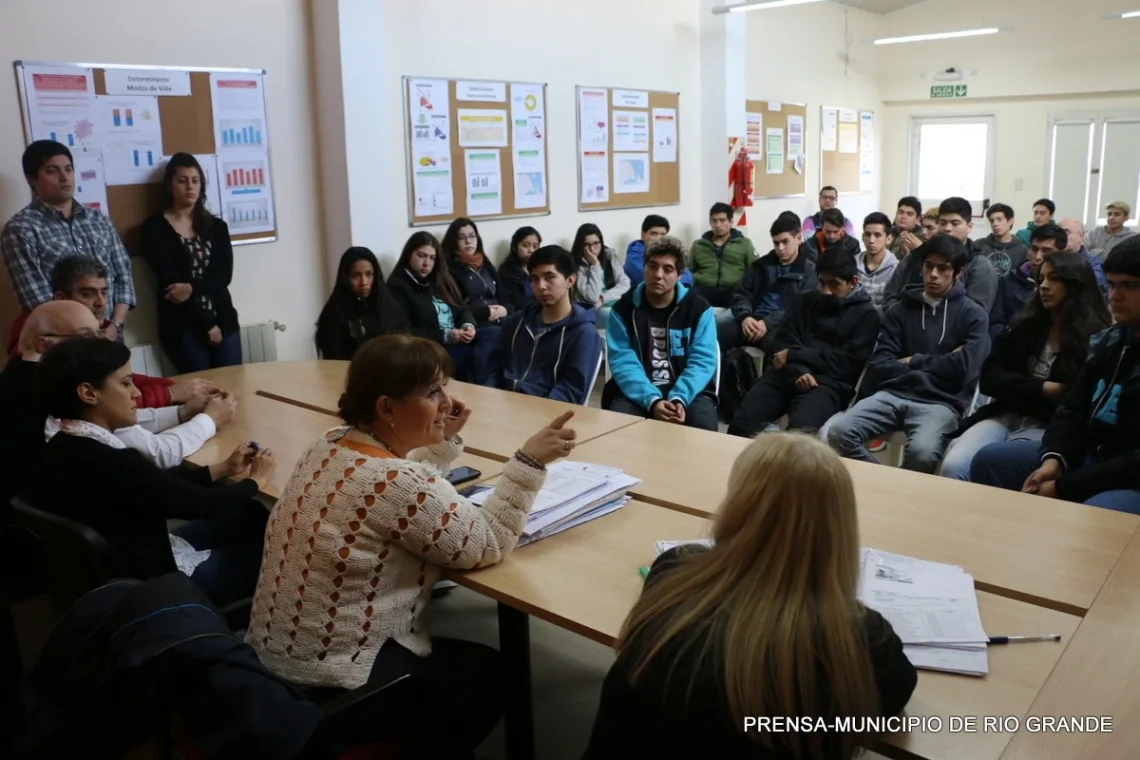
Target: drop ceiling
(882, 7)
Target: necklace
(372, 435)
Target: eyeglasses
(829, 197)
(467, 238)
(1128, 286)
(594, 245)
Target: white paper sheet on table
(663, 546)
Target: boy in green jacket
(720, 257)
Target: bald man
(164, 436)
(1076, 232)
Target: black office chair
(76, 558)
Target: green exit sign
(948, 91)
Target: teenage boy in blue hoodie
(662, 345)
(653, 227)
(925, 366)
(551, 348)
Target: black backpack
(737, 376)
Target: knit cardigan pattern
(353, 548)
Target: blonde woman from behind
(765, 624)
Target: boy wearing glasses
(1091, 449)
(828, 198)
(821, 346)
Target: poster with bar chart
(244, 178)
(239, 112)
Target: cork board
(187, 123)
(790, 183)
(510, 205)
(664, 177)
(841, 170)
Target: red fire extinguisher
(740, 177)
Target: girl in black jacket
(86, 384)
(189, 250)
(435, 309)
(359, 308)
(766, 623)
(1033, 361)
(473, 271)
(514, 280)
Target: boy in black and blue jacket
(551, 348)
(662, 345)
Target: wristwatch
(119, 324)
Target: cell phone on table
(463, 475)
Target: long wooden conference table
(1041, 566)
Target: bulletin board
(475, 148)
(616, 150)
(120, 141)
(847, 149)
(763, 115)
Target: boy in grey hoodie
(924, 368)
(1004, 250)
(876, 264)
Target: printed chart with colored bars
(241, 132)
(244, 214)
(244, 177)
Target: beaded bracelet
(528, 460)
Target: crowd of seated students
(898, 334)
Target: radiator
(258, 344)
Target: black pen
(1024, 639)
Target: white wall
(281, 280)
(1060, 56)
(812, 54)
(648, 44)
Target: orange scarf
(475, 260)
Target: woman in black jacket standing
(359, 307)
(189, 250)
(435, 308)
(514, 280)
(1033, 361)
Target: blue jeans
(235, 541)
(925, 425)
(1007, 465)
(956, 463)
(193, 353)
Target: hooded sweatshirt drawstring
(934, 313)
(944, 312)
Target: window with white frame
(1094, 159)
(952, 156)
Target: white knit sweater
(354, 546)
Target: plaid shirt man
(39, 236)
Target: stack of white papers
(932, 607)
(574, 493)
